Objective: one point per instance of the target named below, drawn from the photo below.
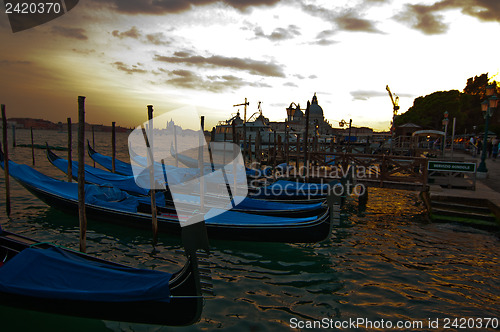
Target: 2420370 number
(33, 8)
(470, 323)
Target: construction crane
(395, 109)
(246, 103)
(395, 101)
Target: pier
(447, 185)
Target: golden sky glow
(124, 55)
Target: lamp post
(445, 124)
(488, 106)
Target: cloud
(129, 69)
(75, 33)
(343, 19)
(279, 34)
(85, 52)
(350, 21)
(423, 18)
(187, 79)
(254, 67)
(323, 42)
(367, 94)
(132, 33)
(429, 20)
(485, 10)
(157, 38)
(160, 7)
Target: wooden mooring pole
(152, 192)
(200, 163)
(306, 141)
(297, 161)
(32, 147)
(175, 146)
(287, 144)
(93, 141)
(6, 161)
(363, 199)
(113, 145)
(258, 152)
(70, 163)
(81, 174)
(13, 135)
(275, 154)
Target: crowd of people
(492, 147)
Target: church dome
(298, 113)
(236, 119)
(315, 111)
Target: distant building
(318, 125)
(40, 124)
(296, 119)
(27, 123)
(406, 129)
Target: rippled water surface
(385, 263)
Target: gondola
(112, 205)
(127, 183)
(49, 278)
(282, 190)
(279, 190)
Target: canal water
(383, 267)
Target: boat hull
(185, 306)
(313, 231)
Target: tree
(428, 111)
(465, 106)
(476, 85)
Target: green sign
(449, 166)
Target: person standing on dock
(489, 147)
(495, 143)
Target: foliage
(428, 111)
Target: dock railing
(383, 171)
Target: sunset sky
(123, 55)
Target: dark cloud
(86, 52)
(159, 7)
(344, 19)
(485, 10)
(279, 34)
(132, 33)
(350, 21)
(254, 67)
(423, 18)
(429, 20)
(134, 69)
(75, 33)
(157, 38)
(187, 79)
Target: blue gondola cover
(58, 274)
